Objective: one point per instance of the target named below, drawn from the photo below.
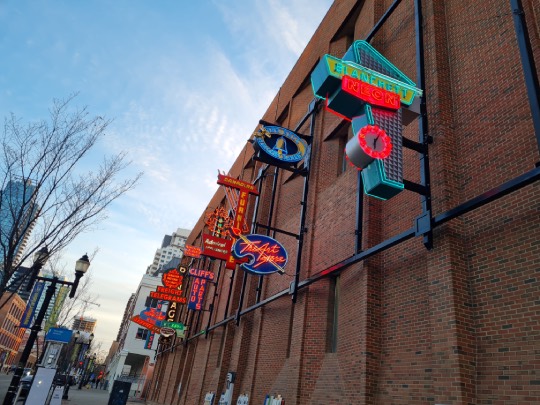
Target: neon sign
(265, 255)
(172, 286)
(370, 94)
(160, 295)
(192, 251)
(207, 275)
(279, 146)
(176, 326)
(218, 222)
(244, 190)
(146, 324)
(196, 297)
(172, 279)
(171, 311)
(366, 89)
(228, 181)
(217, 248)
(370, 143)
(328, 74)
(150, 340)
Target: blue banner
(30, 309)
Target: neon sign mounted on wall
(218, 222)
(279, 146)
(244, 190)
(172, 286)
(370, 94)
(192, 251)
(196, 297)
(265, 255)
(207, 275)
(366, 89)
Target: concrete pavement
(76, 396)
(92, 397)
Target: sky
(185, 83)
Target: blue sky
(185, 82)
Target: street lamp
(78, 339)
(81, 267)
(40, 258)
(88, 359)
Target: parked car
(26, 383)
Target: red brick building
(378, 315)
(11, 310)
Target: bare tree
(45, 197)
(78, 305)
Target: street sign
(59, 335)
(173, 325)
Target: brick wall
(459, 324)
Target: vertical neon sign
(196, 297)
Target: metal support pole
(269, 223)
(381, 21)
(527, 62)
(212, 305)
(423, 127)
(245, 277)
(36, 328)
(313, 106)
(359, 214)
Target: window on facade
(151, 302)
(342, 137)
(291, 328)
(332, 316)
(141, 334)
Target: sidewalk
(93, 397)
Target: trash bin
(120, 392)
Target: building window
(151, 302)
(141, 334)
(343, 137)
(332, 316)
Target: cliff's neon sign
(207, 275)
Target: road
(76, 396)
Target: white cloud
(183, 117)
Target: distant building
(135, 353)
(20, 282)
(11, 335)
(172, 246)
(17, 214)
(126, 320)
(84, 324)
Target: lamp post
(40, 258)
(88, 359)
(78, 340)
(81, 267)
